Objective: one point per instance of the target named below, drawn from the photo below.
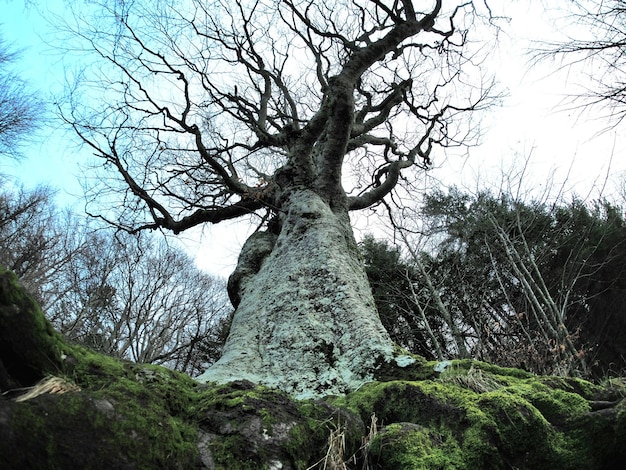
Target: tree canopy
(20, 109)
(594, 50)
(214, 110)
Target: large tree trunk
(306, 321)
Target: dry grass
(50, 384)
(367, 442)
(335, 454)
(474, 379)
(334, 458)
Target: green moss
(151, 405)
(146, 422)
(416, 370)
(69, 431)
(468, 415)
(498, 417)
(523, 437)
(406, 401)
(612, 388)
(408, 446)
(585, 389)
(306, 439)
(556, 405)
(29, 346)
(312, 434)
(234, 452)
(503, 375)
(289, 430)
(143, 424)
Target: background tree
(133, 298)
(297, 112)
(142, 300)
(20, 109)
(395, 285)
(128, 298)
(595, 50)
(529, 284)
(37, 240)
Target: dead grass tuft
(50, 384)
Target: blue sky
(528, 124)
(50, 156)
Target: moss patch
(252, 425)
(408, 446)
(457, 414)
(29, 346)
(125, 416)
(488, 417)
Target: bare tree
(297, 112)
(125, 297)
(595, 50)
(37, 240)
(20, 108)
(547, 308)
(140, 300)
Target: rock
(104, 413)
(29, 346)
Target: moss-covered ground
(476, 415)
(453, 415)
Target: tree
(395, 286)
(138, 299)
(597, 50)
(132, 298)
(20, 109)
(593, 242)
(37, 240)
(297, 112)
(520, 283)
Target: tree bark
(306, 321)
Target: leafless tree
(297, 112)
(595, 50)
(140, 300)
(37, 240)
(20, 109)
(136, 299)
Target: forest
(480, 328)
(528, 284)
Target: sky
(532, 128)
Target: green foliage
(389, 277)
(522, 283)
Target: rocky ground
(63, 406)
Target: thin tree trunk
(457, 336)
(429, 330)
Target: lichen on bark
(306, 322)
